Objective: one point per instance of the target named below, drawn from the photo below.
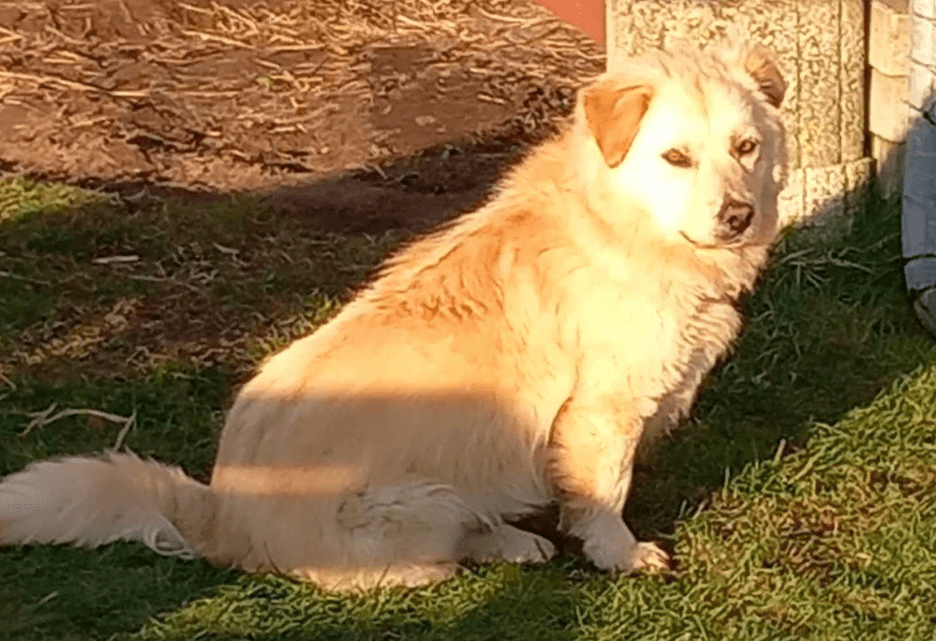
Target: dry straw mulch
(239, 95)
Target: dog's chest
(649, 336)
(713, 326)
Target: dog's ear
(761, 64)
(613, 109)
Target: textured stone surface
(901, 6)
(826, 197)
(820, 116)
(921, 86)
(889, 164)
(924, 9)
(824, 194)
(854, 59)
(925, 305)
(923, 42)
(858, 177)
(888, 106)
(889, 39)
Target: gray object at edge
(919, 187)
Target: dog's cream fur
(514, 359)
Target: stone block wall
(923, 56)
(823, 53)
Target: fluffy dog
(510, 361)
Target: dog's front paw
(630, 558)
(649, 558)
(611, 546)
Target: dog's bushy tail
(93, 501)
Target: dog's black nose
(735, 217)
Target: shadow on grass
(828, 328)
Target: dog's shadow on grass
(828, 328)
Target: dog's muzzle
(734, 218)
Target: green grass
(800, 499)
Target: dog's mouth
(730, 242)
(734, 243)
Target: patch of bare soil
(359, 114)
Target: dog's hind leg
(504, 542)
(410, 575)
(407, 533)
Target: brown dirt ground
(359, 115)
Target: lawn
(800, 499)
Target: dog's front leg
(592, 446)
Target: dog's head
(695, 140)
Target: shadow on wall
(919, 214)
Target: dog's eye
(746, 147)
(677, 158)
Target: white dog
(510, 361)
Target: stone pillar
(822, 52)
(889, 59)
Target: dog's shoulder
(459, 270)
